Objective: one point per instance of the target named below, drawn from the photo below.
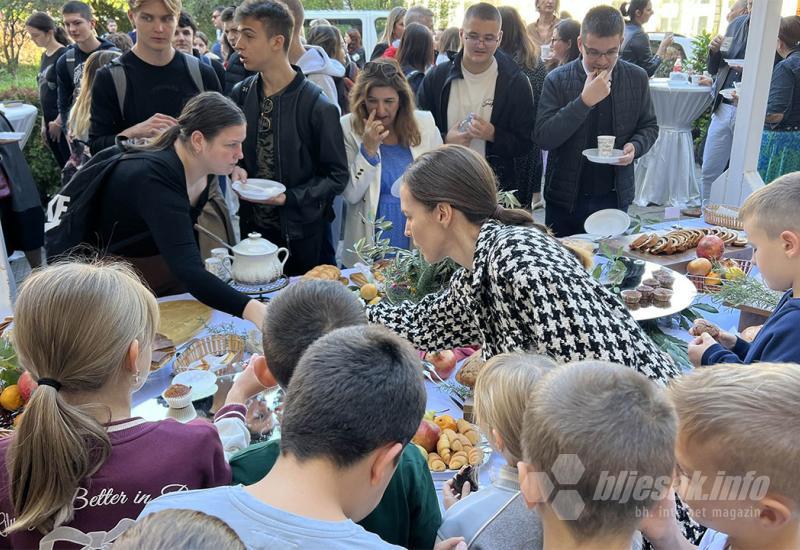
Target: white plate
(727, 93)
(203, 383)
(259, 190)
(610, 221)
(592, 155)
(735, 63)
(9, 137)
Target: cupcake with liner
(647, 294)
(631, 297)
(178, 396)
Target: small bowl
(178, 396)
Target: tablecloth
(22, 118)
(666, 174)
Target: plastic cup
(696, 79)
(546, 53)
(605, 145)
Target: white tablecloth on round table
(22, 118)
(666, 174)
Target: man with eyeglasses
(293, 136)
(595, 95)
(480, 99)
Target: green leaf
(705, 307)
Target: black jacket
(234, 73)
(561, 128)
(636, 49)
(513, 115)
(310, 159)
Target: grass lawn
(25, 77)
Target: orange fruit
(11, 399)
(446, 421)
(713, 279)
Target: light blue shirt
(713, 540)
(262, 526)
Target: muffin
(662, 296)
(647, 294)
(651, 282)
(631, 297)
(664, 278)
(178, 396)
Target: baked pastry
(435, 463)
(458, 460)
(475, 456)
(324, 272)
(631, 297)
(701, 326)
(646, 294)
(468, 430)
(470, 369)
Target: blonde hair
(174, 6)
(398, 13)
(179, 530)
(80, 116)
(502, 390)
(74, 323)
(774, 207)
(385, 73)
(614, 420)
(748, 416)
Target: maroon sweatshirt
(147, 460)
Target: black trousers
(565, 223)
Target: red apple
(427, 435)
(710, 247)
(444, 362)
(26, 385)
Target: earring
(136, 379)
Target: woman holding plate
(518, 288)
(154, 195)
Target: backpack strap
(193, 64)
(71, 61)
(120, 82)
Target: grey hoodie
(321, 69)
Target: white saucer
(735, 63)
(10, 137)
(203, 383)
(258, 189)
(727, 93)
(611, 222)
(592, 155)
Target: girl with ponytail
(77, 462)
(53, 39)
(518, 288)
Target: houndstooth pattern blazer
(527, 293)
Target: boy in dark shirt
(80, 23)
(408, 514)
(158, 80)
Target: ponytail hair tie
(498, 212)
(50, 382)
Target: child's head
(300, 315)
(739, 425)
(355, 400)
(588, 425)
(773, 227)
(179, 530)
(84, 328)
(502, 390)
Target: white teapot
(256, 260)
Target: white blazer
(364, 188)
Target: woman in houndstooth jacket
(518, 290)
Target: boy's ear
(773, 512)
(132, 357)
(791, 243)
(532, 491)
(499, 444)
(384, 463)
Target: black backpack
(72, 211)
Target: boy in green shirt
(408, 515)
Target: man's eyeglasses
(488, 40)
(594, 54)
(387, 70)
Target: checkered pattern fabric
(527, 293)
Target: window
(380, 26)
(342, 24)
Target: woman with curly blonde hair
(383, 135)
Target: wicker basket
(218, 344)
(719, 214)
(701, 283)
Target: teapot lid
(254, 245)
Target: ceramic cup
(217, 267)
(605, 145)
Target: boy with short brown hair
(587, 426)
(770, 217)
(738, 455)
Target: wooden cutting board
(673, 261)
(182, 319)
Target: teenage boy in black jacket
(293, 136)
(158, 80)
(579, 103)
(80, 23)
(482, 100)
